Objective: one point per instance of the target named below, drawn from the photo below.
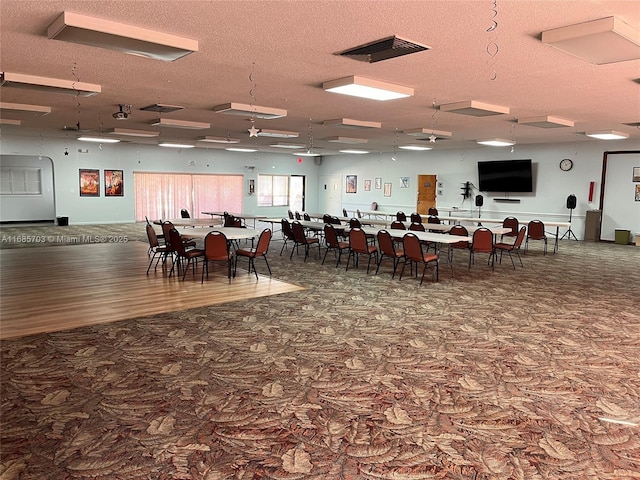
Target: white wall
(131, 157)
(29, 207)
(453, 168)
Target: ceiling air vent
(160, 108)
(384, 49)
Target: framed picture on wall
(637, 193)
(367, 185)
(378, 182)
(404, 182)
(89, 182)
(387, 189)
(352, 183)
(636, 174)
(113, 183)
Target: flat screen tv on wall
(505, 176)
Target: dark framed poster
(113, 183)
(89, 182)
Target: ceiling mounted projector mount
(123, 112)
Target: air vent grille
(157, 107)
(384, 49)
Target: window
(163, 195)
(273, 190)
(20, 181)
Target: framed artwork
(404, 182)
(636, 174)
(378, 182)
(89, 182)
(367, 185)
(113, 183)
(387, 189)
(352, 183)
(637, 193)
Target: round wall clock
(566, 164)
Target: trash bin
(622, 237)
(63, 221)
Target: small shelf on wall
(506, 200)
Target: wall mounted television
(505, 176)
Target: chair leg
(325, 255)
(251, 264)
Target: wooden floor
(59, 288)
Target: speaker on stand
(479, 203)
(571, 204)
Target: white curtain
(164, 195)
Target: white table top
(423, 236)
(246, 216)
(189, 222)
(232, 233)
(500, 220)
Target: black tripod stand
(571, 204)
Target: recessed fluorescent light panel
(354, 151)
(350, 123)
(346, 140)
(427, 132)
(23, 108)
(546, 122)
(607, 40)
(252, 111)
(607, 135)
(496, 142)
(173, 123)
(367, 88)
(175, 145)
(126, 132)
(294, 146)
(265, 132)
(218, 139)
(86, 138)
(306, 154)
(96, 32)
(474, 108)
(240, 149)
(414, 147)
(50, 85)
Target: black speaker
(571, 202)
(479, 200)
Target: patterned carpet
(531, 373)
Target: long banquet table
(480, 220)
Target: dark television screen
(505, 176)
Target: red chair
(183, 253)
(433, 211)
(482, 243)
(300, 238)
(388, 249)
(535, 231)
(416, 217)
(462, 245)
(512, 247)
(158, 251)
(358, 246)
(216, 249)
(260, 251)
(413, 254)
(513, 224)
(397, 225)
(331, 237)
(287, 234)
(401, 216)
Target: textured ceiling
(278, 53)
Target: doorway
(297, 193)
(426, 193)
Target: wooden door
(426, 193)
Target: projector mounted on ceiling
(123, 113)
